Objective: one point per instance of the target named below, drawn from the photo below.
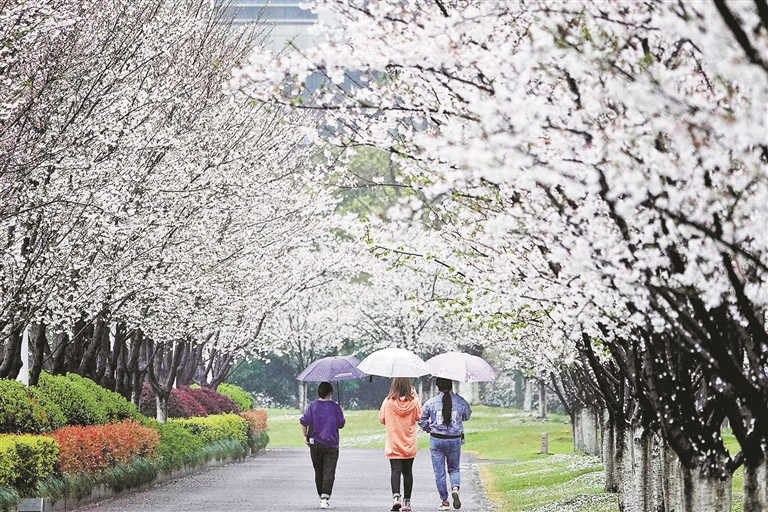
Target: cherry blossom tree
(600, 162)
(153, 221)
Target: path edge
(102, 493)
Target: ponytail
(445, 386)
(447, 407)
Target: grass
(517, 478)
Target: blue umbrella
(332, 369)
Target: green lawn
(515, 475)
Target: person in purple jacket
(321, 423)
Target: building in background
(284, 20)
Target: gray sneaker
(456, 500)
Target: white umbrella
(461, 367)
(393, 362)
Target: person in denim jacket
(442, 418)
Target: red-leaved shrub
(257, 419)
(93, 449)
(213, 401)
(181, 403)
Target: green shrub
(241, 397)
(257, 440)
(78, 404)
(216, 427)
(178, 446)
(20, 412)
(53, 412)
(64, 487)
(128, 476)
(9, 498)
(224, 448)
(26, 459)
(114, 405)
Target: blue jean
(445, 452)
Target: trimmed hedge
(216, 427)
(26, 459)
(257, 419)
(20, 412)
(94, 449)
(53, 413)
(76, 402)
(181, 404)
(213, 401)
(71, 461)
(114, 405)
(242, 398)
(178, 446)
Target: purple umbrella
(332, 369)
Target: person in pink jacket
(399, 413)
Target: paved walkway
(281, 479)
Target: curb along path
(281, 479)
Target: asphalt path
(281, 479)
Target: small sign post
(544, 443)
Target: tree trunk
(528, 396)
(11, 364)
(136, 374)
(75, 349)
(672, 481)
(577, 426)
(59, 352)
(642, 468)
(703, 492)
(542, 400)
(636, 487)
(302, 396)
(162, 408)
(519, 381)
(608, 449)
(658, 451)
(623, 455)
(755, 485)
(38, 342)
(101, 372)
(87, 365)
(589, 430)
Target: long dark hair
(445, 386)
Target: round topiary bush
(20, 412)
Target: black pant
(324, 459)
(402, 467)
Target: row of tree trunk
(116, 357)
